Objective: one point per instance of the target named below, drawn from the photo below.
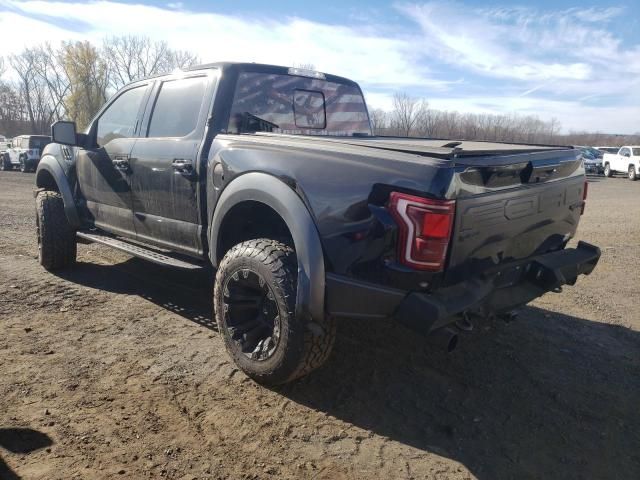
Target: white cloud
(549, 63)
(597, 14)
(357, 53)
(518, 43)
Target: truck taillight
(584, 196)
(425, 227)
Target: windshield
(297, 105)
(593, 152)
(39, 142)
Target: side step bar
(139, 251)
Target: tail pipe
(445, 338)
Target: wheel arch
(279, 197)
(51, 176)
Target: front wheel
(632, 173)
(607, 170)
(254, 301)
(57, 244)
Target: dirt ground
(112, 370)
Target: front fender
(49, 166)
(271, 191)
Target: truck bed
(438, 148)
(513, 201)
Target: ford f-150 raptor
(272, 176)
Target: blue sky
(576, 61)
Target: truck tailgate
(509, 225)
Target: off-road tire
(5, 163)
(607, 170)
(632, 173)
(57, 244)
(304, 345)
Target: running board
(139, 251)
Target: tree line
(412, 117)
(72, 80)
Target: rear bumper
(499, 290)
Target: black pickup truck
(272, 176)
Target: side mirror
(627, 154)
(64, 132)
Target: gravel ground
(112, 370)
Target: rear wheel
(632, 173)
(254, 300)
(607, 170)
(56, 238)
(5, 163)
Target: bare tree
(379, 120)
(11, 110)
(407, 112)
(33, 91)
(51, 69)
(133, 57)
(182, 59)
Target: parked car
(592, 159)
(24, 152)
(626, 160)
(272, 176)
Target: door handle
(183, 165)
(121, 162)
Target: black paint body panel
(512, 201)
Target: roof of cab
(245, 66)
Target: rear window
(297, 105)
(39, 142)
(636, 152)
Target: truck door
(103, 169)
(165, 169)
(623, 159)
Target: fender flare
(271, 191)
(49, 164)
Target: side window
(624, 151)
(177, 108)
(119, 119)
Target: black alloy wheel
(252, 316)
